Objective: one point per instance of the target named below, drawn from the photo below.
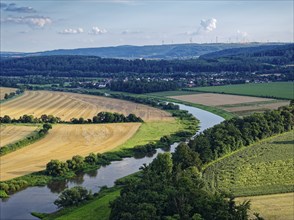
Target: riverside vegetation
(59, 169)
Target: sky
(40, 25)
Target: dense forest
(142, 86)
(235, 133)
(169, 189)
(91, 66)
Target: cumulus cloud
(72, 31)
(208, 24)
(32, 21)
(14, 8)
(97, 31)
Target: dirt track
(63, 142)
(72, 105)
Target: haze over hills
(172, 51)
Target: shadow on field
(284, 142)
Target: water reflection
(78, 179)
(92, 173)
(57, 186)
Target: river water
(40, 199)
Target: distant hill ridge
(172, 51)
(255, 51)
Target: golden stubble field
(12, 133)
(272, 207)
(4, 90)
(72, 105)
(63, 142)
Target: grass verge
(220, 112)
(152, 131)
(97, 208)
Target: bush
(73, 196)
(56, 168)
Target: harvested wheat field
(72, 105)
(4, 90)
(272, 207)
(211, 99)
(12, 133)
(255, 107)
(63, 142)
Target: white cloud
(208, 24)
(242, 34)
(32, 21)
(97, 31)
(72, 31)
(131, 32)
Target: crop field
(63, 142)
(171, 93)
(275, 89)
(71, 105)
(263, 168)
(211, 99)
(238, 105)
(4, 90)
(12, 133)
(248, 108)
(272, 207)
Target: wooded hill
(82, 66)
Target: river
(40, 199)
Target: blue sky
(52, 24)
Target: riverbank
(187, 126)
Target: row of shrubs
(12, 94)
(26, 141)
(101, 117)
(6, 119)
(108, 117)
